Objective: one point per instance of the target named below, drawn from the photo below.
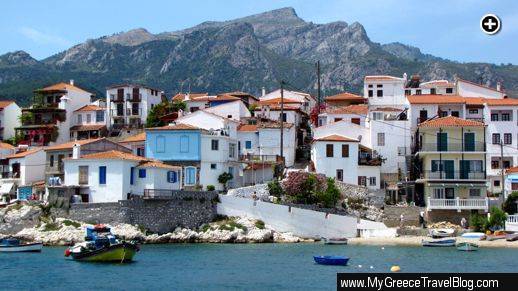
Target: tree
(275, 189)
(496, 219)
(161, 109)
(330, 196)
(509, 205)
(224, 178)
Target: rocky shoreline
(27, 223)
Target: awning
(6, 188)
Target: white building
(234, 110)
(25, 168)
(127, 105)
(136, 143)
(9, 119)
(356, 114)
(306, 100)
(112, 176)
(210, 121)
(385, 91)
(194, 101)
(88, 122)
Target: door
(464, 169)
(423, 115)
(449, 169)
(442, 141)
(339, 174)
(455, 113)
(469, 141)
(449, 193)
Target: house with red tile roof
(89, 122)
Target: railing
(452, 147)
(479, 119)
(117, 98)
(512, 218)
(458, 203)
(453, 175)
(369, 161)
(133, 97)
(117, 113)
(133, 112)
(261, 158)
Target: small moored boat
(331, 260)
(335, 241)
(441, 232)
(439, 243)
(511, 237)
(102, 246)
(467, 246)
(473, 235)
(11, 245)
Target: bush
(477, 222)
(303, 187)
(259, 224)
(71, 223)
(275, 189)
(509, 205)
(211, 188)
(496, 219)
(51, 226)
(330, 196)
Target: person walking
(401, 220)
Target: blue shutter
(132, 175)
(142, 173)
(172, 177)
(102, 175)
(248, 144)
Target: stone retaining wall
(410, 214)
(188, 209)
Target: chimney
(72, 82)
(263, 91)
(76, 151)
(499, 87)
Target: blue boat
(439, 243)
(11, 245)
(331, 260)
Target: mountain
(244, 54)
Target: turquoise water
(241, 266)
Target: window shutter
(102, 175)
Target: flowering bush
(303, 187)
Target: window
(99, 116)
(370, 85)
(132, 175)
(194, 109)
(379, 86)
(377, 115)
(438, 193)
(494, 116)
(329, 150)
(372, 181)
(88, 118)
(362, 181)
(160, 144)
(248, 144)
(79, 118)
(102, 175)
(214, 144)
(371, 93)
(339, 174)
(231, 172)
(142, 173)
(381, 139)
(213, 166)
(507, 164)
(508, 138)
(229, 116)
(473, 111)
(338, 119)
(345, 151)
(379, 93)
(506, 117)
(140, 151)
(433, 91)
(83, 175)
(184, 144)
(284, 117)
(496, 138)
(418, 92)
(449, 90)
(408, 92)
(455, 113)
(231, 150)
(474, 192)
(496, 183)
(355, 121)
(495, 164)
(172, 177)
(190, 176)
(51, 162)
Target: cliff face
(243, 54)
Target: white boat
(439, 243)
(441, 232)
(335, 241)
(12, 245)
(474, 235)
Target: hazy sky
(449, 28)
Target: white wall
(328, 165)
(9, 119)
(221, 158)
(393, 92)
(269, 143)
(467, 89)
(300, 222)
(32, 167)
(327, 118)
(252, 136)
(345, 128)
(233, 110)
(147, 101)
(370, 171)
(209, 121)
(397, 134)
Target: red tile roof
(512, 170)
(436, 99)
(381, 78)
(24, 153)
(6, 146)
(135, 138)
(179, 126)
(502, 102)
(450, 121)
(61, 87)
(69, 145)
(345, 96)
(247, 127)
(5, 103)
(90, 107)
(225, 98)
(157, 164)
(359, 109)
(112, 155)
(336, 137)
(181, 96)
(277, 101)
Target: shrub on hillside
(303, 187)
(275, 189)
(509, 205)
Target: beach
(416, 241)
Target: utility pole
(282, 119)
(502, 185)
(318, 87)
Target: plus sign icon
(490, 24)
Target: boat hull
(335, 241)
(439, 243)
(123, 252)
(331, 260)
(34, 247)
(467, 247)
(511, 237)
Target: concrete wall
(301, 222)
(410, 214)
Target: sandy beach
(416, 241)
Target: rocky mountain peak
(130, 38)
(17, 58)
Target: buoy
(67, 252)
(359, 266)
(371, 267)
(395, 269)
(382, 248)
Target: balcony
(251, 158)
(134, 97)
(452, 147)
(134, 111)
(478, 119)
(117, 98)
(453, 175)
(458, 204)
(117, 113)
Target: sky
(444, 28)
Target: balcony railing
(452, 147)
(133, 112)
(458, 204)
(133, 97)
(453, 175)
(260, 158)
(117, 113)
(478, 119)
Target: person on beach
(421, 219)
(464, 223)
(401, 219)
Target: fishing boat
(335, 241)
(511, 237)
(102, 246)
(439, 243)
(11, 245)
(331, 260)
(473, 235)
(441, 232)
(467, 246)
(496, 235)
